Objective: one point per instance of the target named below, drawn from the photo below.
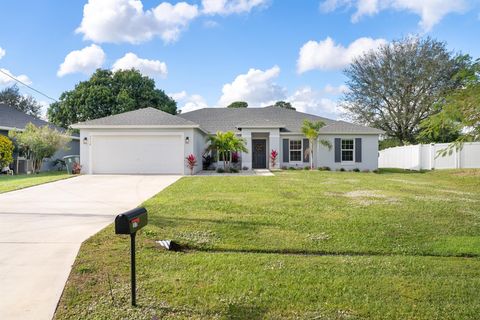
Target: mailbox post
(129, 223)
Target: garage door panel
(137, 154)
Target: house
(149, 141)
(14, 119)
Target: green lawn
(300, 245)
(10, 183)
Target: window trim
(295, 150)
(353, 151)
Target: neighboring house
(149, 141)
(14, 119)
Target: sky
(209, 53)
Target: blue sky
(212, 52)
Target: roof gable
(140, 117)
(227, 119)
(12, 118)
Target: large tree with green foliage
(225, 143)
(39, 143)
(11, 96)
(107, 93)
(311, 130)
(460, 110)
(395, 87)
(238, 104)
(284, 104)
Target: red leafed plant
(273, 158)
(76, 168)
(191, 162)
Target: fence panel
(427, 156)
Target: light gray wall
(199, 145)
(326, 157)
(323, 157)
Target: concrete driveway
(42, 228)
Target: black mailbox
(131, 221)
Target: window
(295, 150)
(347, 150)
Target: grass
(10, 183)
(300, 245)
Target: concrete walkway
(42, 228)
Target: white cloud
(335, 90)
(2, 52)
(226, 7)
(85, 61)
(327, 55)
(430, 11)
(147, 67)
(256, 87)
(311, 101)
(126, 21)
(6, 80)
(187, 103)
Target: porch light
(187, 140)
(85, 140)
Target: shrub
(6, 152)
(191, 161)
(233, 170)
(342, 169)
(220, 170)
(245, 168)
(76, 168)
(291, 168)
(356, 170)
(376, 171)
(306, 168)
(366, 171)
(273, 158)
(284, 168)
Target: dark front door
(259, 154)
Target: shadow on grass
(176, 221)
(396, 170)
(245, 312)
(325, 253)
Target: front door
(259, 154)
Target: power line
(26, 85)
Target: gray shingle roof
(225, 119)
(140, 117)
(258, 123)
(11, 117)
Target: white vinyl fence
(426, 156)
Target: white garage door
(131, 154)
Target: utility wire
(26, 85)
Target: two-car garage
(144, 141)
(130, 153)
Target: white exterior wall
(427, 157)
(189, 148)
(199, 145)
(326, 158)
(273, 143)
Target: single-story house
(13, 119)
(149, 141)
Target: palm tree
(225, 143)
(311, 130)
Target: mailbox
(131, 221)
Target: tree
(460, 110)
(6, 152)
(39, 143)
(238, 104)
(395, 87)
(226, 143)
(107, 93)
(285, 105)
(11, 96)
(311, 130)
